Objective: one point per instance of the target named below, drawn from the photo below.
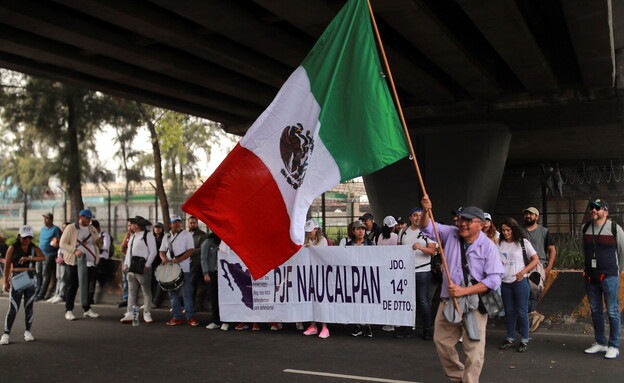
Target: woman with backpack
(518, 257)
(137, 265)
(20, 259)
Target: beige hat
(532, 210)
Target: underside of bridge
(482, 83)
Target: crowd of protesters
(70, 260)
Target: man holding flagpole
(484, 269)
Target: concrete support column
(461, 166)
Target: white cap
(174, 218)
(26, 231)
(390, 221)
(310, 225)
(487, 216)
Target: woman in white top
(514, 248)
(142, 243)
(314, 237)
(490, 229)
(388, 236)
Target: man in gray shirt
(542, 242)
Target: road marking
(353, 377)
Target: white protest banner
(331, 284)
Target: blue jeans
(516, 300)
(124, 286)
(174, 297)
(423, 304)
(609, 289)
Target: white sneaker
(277, 327)
(70, 315)
(28, 336)
(596, 348)
(225, 326)
(388, 328)
(51, 300)
(212, 326)
(4, 339)
(90, 314)
(56, 299)
(612, 353)
(127, 318)
(147, 317)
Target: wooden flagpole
(411, 147)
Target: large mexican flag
(332, 120)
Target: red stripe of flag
(242, 204)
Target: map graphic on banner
(333, 284)
(233, 272)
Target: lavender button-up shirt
(483, 258)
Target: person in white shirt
(424, 248)
(137, 265)
(388, 236)
(80, 243)
(177, 246)
(515, 250)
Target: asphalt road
(103, 350)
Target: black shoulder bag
(490, 302)
(137, 264)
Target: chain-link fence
(334, 211)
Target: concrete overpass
(485, 83)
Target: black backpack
(614, 227)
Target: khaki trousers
(447, 335)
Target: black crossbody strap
(418, 267)
(464, 259)
(524, 254)
(171, 243)
(402, 235)
(130, 246)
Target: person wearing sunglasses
(603, 245)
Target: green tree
(180, 139)
(56, 123)
(126, 127)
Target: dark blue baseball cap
(86, 213)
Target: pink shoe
(324, 333)
(312, 330)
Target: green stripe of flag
(359, 123)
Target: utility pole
(109, 208)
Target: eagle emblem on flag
(295, 150)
